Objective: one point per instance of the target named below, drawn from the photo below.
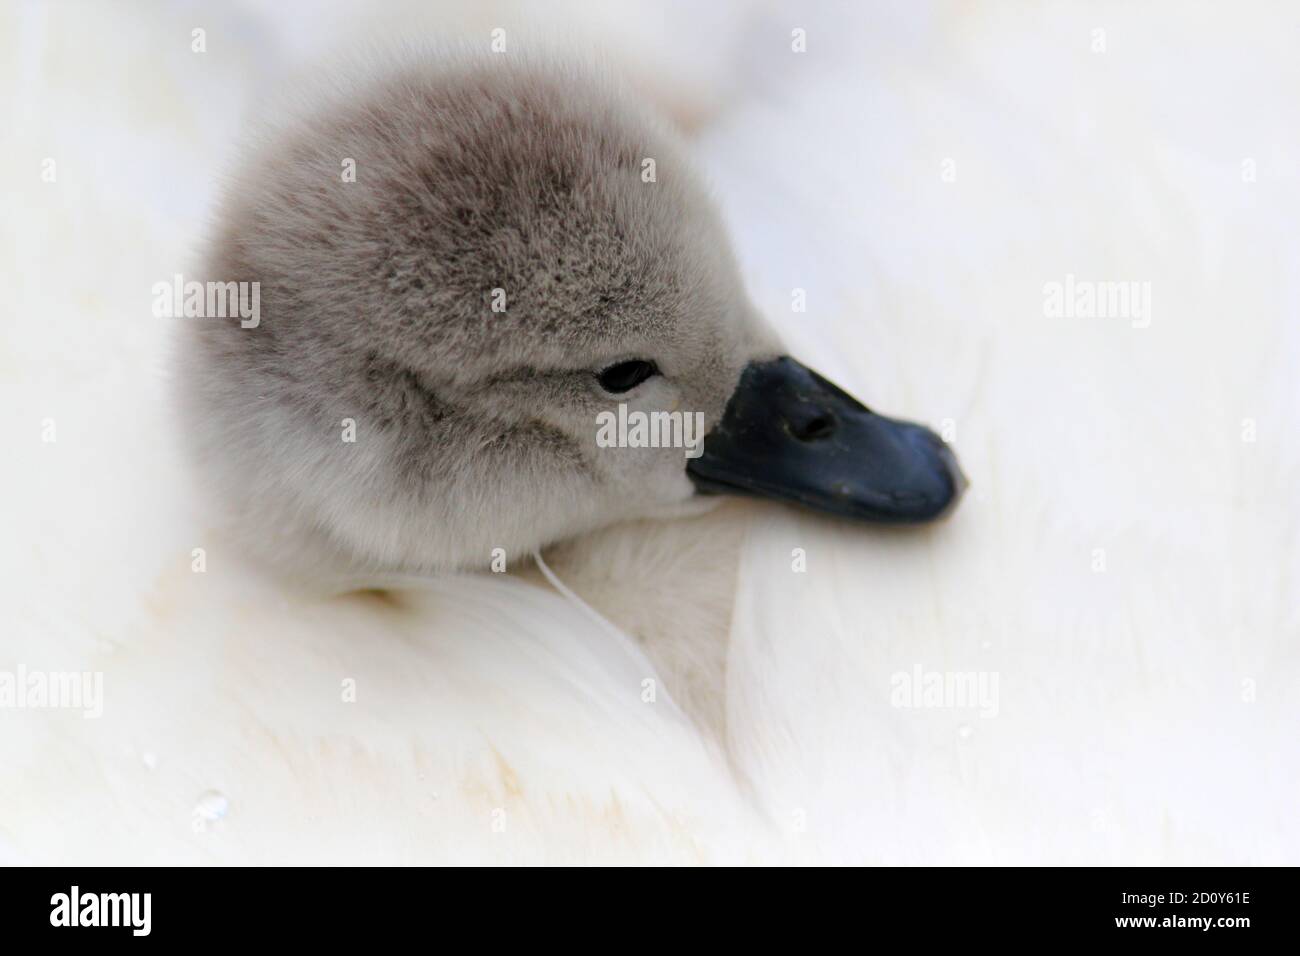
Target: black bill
(791, 435)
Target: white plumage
(1146, 713)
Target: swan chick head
(461, 265)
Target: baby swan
(521, 248)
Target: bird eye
(626, 376)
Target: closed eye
(626, 376)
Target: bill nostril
(814, 428)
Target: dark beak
(791, 435)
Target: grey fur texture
(475, 429)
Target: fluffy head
(475, 429)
